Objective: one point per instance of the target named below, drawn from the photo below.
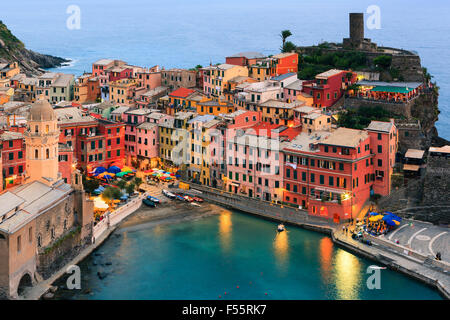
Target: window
(11, 156)
(30, 235)
(20, 155)
(312, 177)
(19, 244)
(380, 162)
(36, 154)
(321, 179)
(380, 149)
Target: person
(438, 256)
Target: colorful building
(95, 142)
(254, 161)
(13, 156)
(332, 174)
(328, 87)
(244, 58)
(215, 78)
(123, 91)
(178, 78)
(87, 88)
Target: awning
(392, 89)
(411, 167)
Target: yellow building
(215, 108)
(9, 70)
(184, 99)
(215, 78)
(260, 71)
(123, 91)
(278, 112)
(199, 140)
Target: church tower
(41, 139)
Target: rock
(102, 275)
(53, 289)
(48, 296)
(87, 291)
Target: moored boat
(168, 194)
(148, 203)
(154, 199)
(281, 228)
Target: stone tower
(41, 139)
(356, 27)
(357, 40)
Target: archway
(24, 282)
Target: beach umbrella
(376, 218)
(121, 174)
(117, 164)
(99, 170)
(107, 177)
(373, 213)
(114, 169)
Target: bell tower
(41, 139)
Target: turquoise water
(180, 33)
(234, 253)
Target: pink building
(254, 164)
(147, 135)
(149, 79)
(132, 119)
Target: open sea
(180, 33)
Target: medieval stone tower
(356, 27)
(41, 139)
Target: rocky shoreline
(30, 62)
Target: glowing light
(225, 228)
(281, 248)
(347, 276)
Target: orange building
(87, 88)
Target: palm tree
(284, 35)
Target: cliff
(31, 63)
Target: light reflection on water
(281, 249)
(225, 228)
(326, 256)
(347, 271)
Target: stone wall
(52, 258)
(437, 181)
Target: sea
(181, 33)
(231, 255)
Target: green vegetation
(284, 35)
(8, 38)
(90, 185)
(383, 61)
(320, 60)
(57, 243)
(360, 118)
(288, 47)
(111, 193)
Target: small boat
(168, 194)
(197, 199)
(281, 228)
(177, 196)
(149, 203)
(188, 199)
(155, 200)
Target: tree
(111, 193)
(121, 184)
(90, 185)
(288, 47)
(383, 61)
(284, 35)
(137, 182)
(130, 188)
